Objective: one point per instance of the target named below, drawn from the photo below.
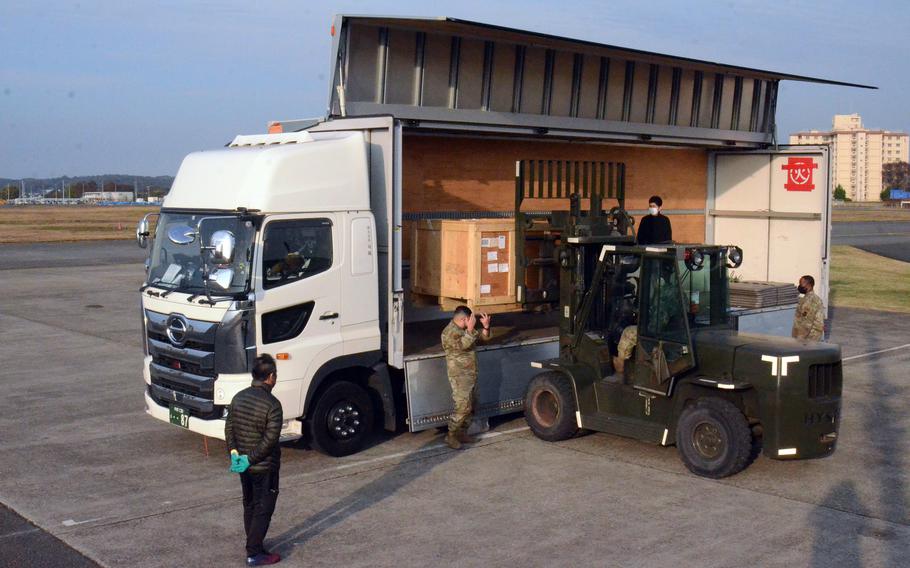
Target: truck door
(298, 296)
(776, 205)
(664, 346)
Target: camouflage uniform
(667, 300)
(461, 364)
(627, 342)
(809, 321)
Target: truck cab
(692, 380)
(267, 246)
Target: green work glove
(241, 464)
(235, 459)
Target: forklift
(719, 395)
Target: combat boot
(452, 441)
(464, 438)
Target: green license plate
(180, 416)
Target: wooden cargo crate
(468, 262)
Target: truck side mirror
(222, 246)
(181, 234)
(142, 233)
(142, 230)
(222, 277)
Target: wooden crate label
(490, 273)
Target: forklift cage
(571, 180)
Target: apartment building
(858, 154)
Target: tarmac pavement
(82, 461)
(886, 238)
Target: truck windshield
(706, 290)
(180, 267)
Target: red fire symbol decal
(799, 174)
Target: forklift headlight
(694, 259)
(734, 257)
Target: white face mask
(652, 210)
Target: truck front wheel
(713, 438)
(342, 420)
(550, 407)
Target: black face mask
(802, 289)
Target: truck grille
(183, 374)
(190, 344)
(825, 380)
(190, 367)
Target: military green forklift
(693, 381)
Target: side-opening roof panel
(450, 74)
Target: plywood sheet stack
(762, 294)
(465, 262)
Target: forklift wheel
(713, 438)
(550, 407)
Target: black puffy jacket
(253, 426)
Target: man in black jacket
(251, 431)
(655, 227)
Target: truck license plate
(180, 416)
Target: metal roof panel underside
(444, 72)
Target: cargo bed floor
(421, 339)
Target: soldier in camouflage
(458, 340)
(665, 301)
(809, 320)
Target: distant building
(858, 154)
(108, 195)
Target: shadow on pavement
(839, 545)
(365, 497)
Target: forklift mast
(559, 224)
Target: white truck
(281, 243)
(294, 242)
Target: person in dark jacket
(251, 430)
(655, 227)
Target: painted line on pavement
(19, 533)
(73, 523)
(906, 345)
(871, 235)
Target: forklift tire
(713, 438)
(550, 407)
(342, 420)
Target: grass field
(62, 224)
(860, 279)
(849, 214)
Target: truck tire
(713, 438)
(550, 407)
(342, 420)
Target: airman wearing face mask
(809, 320)
(655, 227)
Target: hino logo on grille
(177, 326)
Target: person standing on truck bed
(655, 228)
(458, 340)
(251, 431)
(809, 320)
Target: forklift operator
(664, 296)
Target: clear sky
(130, 87)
